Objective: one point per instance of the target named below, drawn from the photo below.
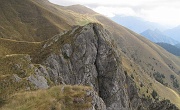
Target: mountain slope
(170, 48)
(174, 33)
(32, 20)
(126, 70)
(24, 24)
(157, 36)
(86, 55)
(178, 45)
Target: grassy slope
(14, 60)
(147, 83)
(33, 20)
(30, 24)
(8, 47)
(55, 98)
(11, 66)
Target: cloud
(162, 15)
(112, 11)
(103, 2)
(161, 11)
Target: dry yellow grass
(8, 47)
(139, 76)
(38, 20)
(14, 64)
(167, 93)
(56, 98)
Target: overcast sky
(166, 12)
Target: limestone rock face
(38, 79)
(87, 56)
(97, 102)
(91, 60)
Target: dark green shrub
(2, 101)
(159, 77)
(172, 77)
(175, 82)
(132, 76)
(154, 94)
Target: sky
(164, 12)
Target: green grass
(55, 98)
(8, 47)
(19, 64)
(32, 20)
(15, 64)
(24, 20)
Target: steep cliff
(87, 56)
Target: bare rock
(91, 59)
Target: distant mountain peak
(158, 31)
(148, 30)
(137, 24)
(158, 36)
(174, 33)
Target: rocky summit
(89, 64)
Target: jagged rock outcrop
(88, 57)
(97, 102)
(85, 55)
(38, 79)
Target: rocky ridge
(86, 56)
